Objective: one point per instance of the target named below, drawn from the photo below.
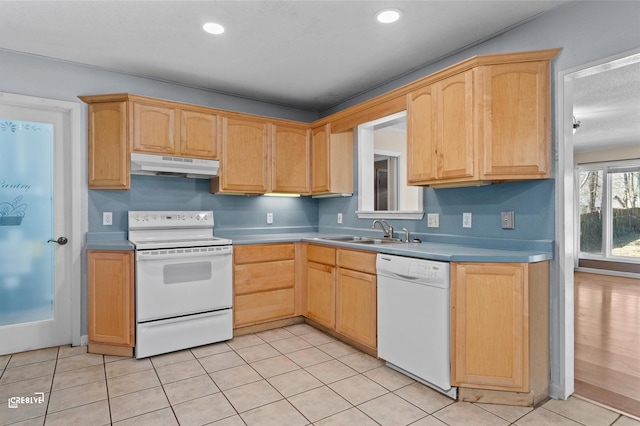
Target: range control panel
(170, 219)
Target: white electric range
(184, 287)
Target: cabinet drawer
(262, 253)
(321, 254)
(255, 277)
(357, 261)
(264, 306)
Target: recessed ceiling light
(387, 16)
(213, 28)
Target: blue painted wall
(233, 214)
(531, 201)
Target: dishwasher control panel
(420, 271)
(425, 270)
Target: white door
(36, 225)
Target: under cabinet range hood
(166, 165)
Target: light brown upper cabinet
(198, 134)
(291, 159)
(120, 124)
(332, 161)
(483, 119)
(440, 139)
(108, 151)
(259, 156)
(515, 121)
(244, 157)
(166, 129)
(483, 123)
(154, 128)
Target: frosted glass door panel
(27, 285)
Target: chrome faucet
(407, 235)
(388, 231)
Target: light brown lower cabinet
(321, 285)
(264, 281)
(356, 309)
(110, 296)
(500, 331)
(341, 292)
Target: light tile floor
(294, 375)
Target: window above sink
(382, 171)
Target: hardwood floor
(607, 340)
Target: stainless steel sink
(361, 240)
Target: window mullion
(607, 211)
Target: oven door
(175, 282)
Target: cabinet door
(491, 332)
(516, 120)
(154, 129)
(455, 126)
(291, 159)
(320, 179)
(110, 297)
(108, 146)
(243, 166)
(421, 136)
(356, 308)
(321, 301)
(198, 134)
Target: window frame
(608, 168)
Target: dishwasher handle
(401, 276)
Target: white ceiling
(607, 105)
(304, 54)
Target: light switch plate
(339, 217)
(507, 220)
(433, 220)
(466, 220)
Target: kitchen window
(608, 211)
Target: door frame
(562, 298)
(77, 211)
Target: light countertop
(425, 250)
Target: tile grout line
(164, 390)
(106, 385)
(53, 378)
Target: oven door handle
(152, 255)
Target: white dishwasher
(413, 319)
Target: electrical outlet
(107, 218)
(269, 218)
(508, 220)
(433, 220)
(339, 217)
(466, 220)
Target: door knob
(62, 241)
